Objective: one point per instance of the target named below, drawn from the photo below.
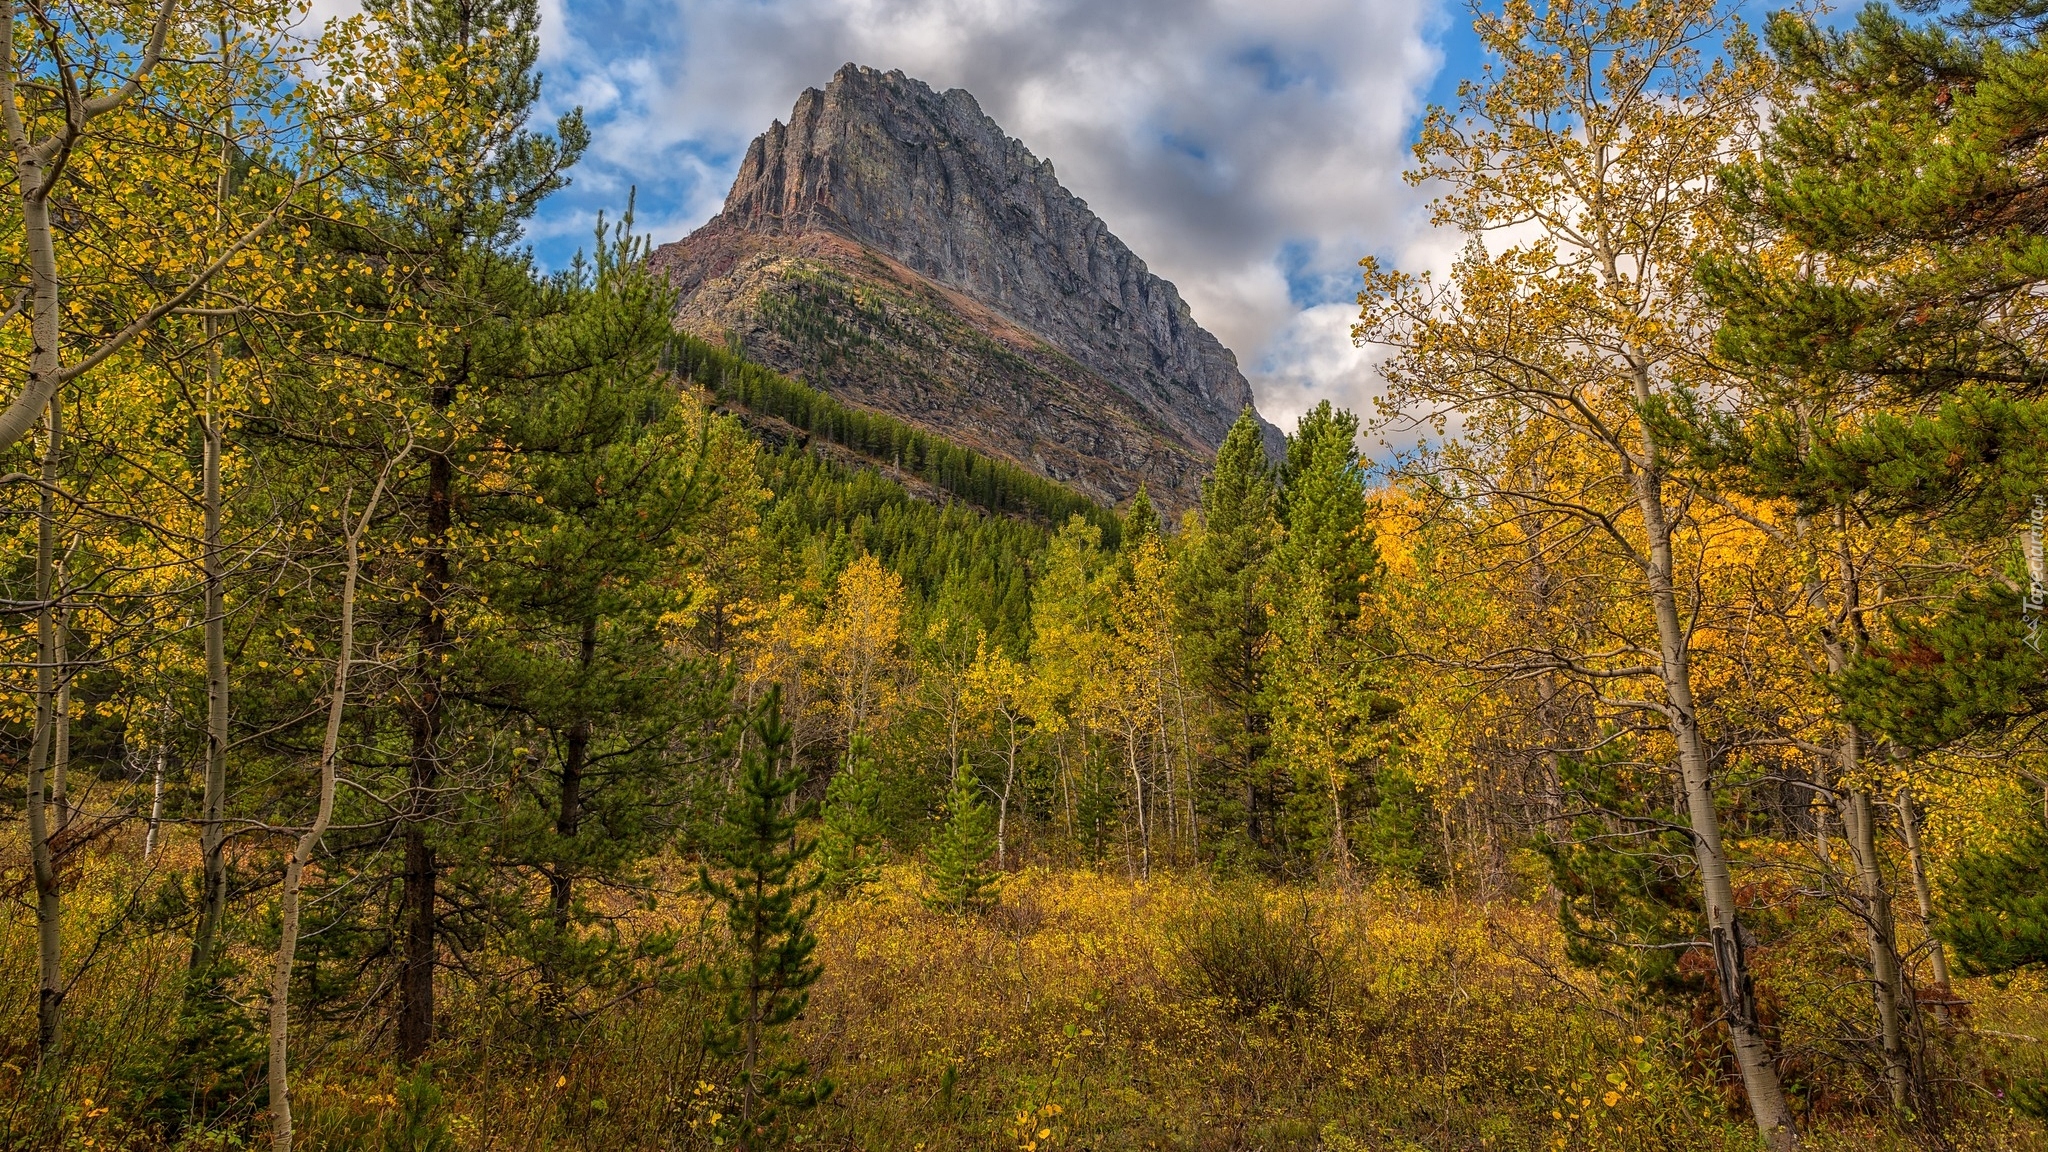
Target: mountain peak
(924, 182)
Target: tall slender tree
(1597, 136)
(1224, 595)
(765, 978)
(455, 332)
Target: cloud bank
(1249, 150)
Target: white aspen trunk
(43, 864)
(156, 805)
(31, 173)
(302, 851)
(1909, 826)
(1187, 760)
(1885, 985)
(1729, 939)
(1138, 790)
(213, 894)
(1327, 677)
(1003, 803)
(1340, 844)
(60, 774)
(1066, 784)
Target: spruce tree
(1330, 716)
(1322, 502)
(1142, 520)
(849, 855)
(752, 873)
(957, 858)
(1225, 598)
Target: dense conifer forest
(445, 708)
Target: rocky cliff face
(891, 245)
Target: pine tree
(605, 478)
(1618, 863)
(459, 298)
(849, 856)
(1887, 321)
(765, 978)
(1995, 916)
(1902, 304)
(1995, 907)
(957, 858)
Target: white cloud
(1248, 150)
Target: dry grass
(1074, 1010)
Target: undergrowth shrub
(413, 1117)
(1258, 957)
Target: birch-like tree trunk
(1728, 937)
(1909, 827)
(43, 864)
(213, 889)
(60, 773)
(1886, 986)
(309, 842)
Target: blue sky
(1248, 150)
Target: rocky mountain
(892, 246)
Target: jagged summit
(893, 245)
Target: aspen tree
(354, 528)
(998, 686)
(861, 635)
(1589, 152)
(112, 117)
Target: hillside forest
(447, 708)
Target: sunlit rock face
(894, 247)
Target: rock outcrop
(893, 246)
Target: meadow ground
(1083, 1011)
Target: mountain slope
(892, 246)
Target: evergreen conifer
(1995, 907)
(1225, 597)
(957, 857)
(765, 978)
(1892, 338)
(1322, 498)
(1142, 520)
(1994, 915)
(1897, 356)
(460, 298)
(848, 846)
